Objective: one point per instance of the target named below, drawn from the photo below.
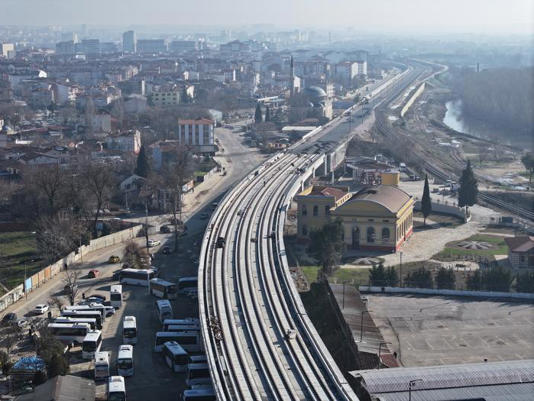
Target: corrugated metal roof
(448, 376)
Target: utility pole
(146, 223)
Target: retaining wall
(445, 209)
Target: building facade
(129, 42)
(378, 218)
(196, 132)
(521, 252)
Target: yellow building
(375, 218)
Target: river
(458, 122)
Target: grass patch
(18, 251)
(452, 252)
(356, 277)
(310, 272)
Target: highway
(259, 341)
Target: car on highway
(93, 273)
(152, 243)
(9, 318)
(114, 259)
(40, 309)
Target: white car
(152, 243)
(40, 309)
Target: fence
(453, 293)
(47, 273)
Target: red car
(93, 273)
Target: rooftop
(520, 244)
(388, 196)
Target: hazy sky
(476, 16)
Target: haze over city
(266, 200)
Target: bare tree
(100, 182)
(58, 235)
(57, 301)
(71, 284)
(10, 337)
(48, 183)
(134, 256)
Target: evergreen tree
(528, 162)
(474, 281)
(391, 277)
(525, 282)
(445, 279)
(267, 114)
(258, 118)
(497, 279)
(468, 192)
(143, 168)
(327, 245)
(420, 278)
(426, 203)
(377, 275)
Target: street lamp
(411, 383)
(380, 351)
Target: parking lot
(438, 330)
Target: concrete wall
(49, 272)
(453, 293)
(445, 209)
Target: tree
(48, 183)
(528, 162)
(258, 118)
(468, 192)
(420, 278)
(143, 168)
(525, 282)
(474, 281)
(99, 182)
(426, 203)
(327, 245)
(377, 275)
(445, 279)
(58, 235)
(89, 115)
(392, 278)
(71, 284)
(267, 114)
(51, 350)
(5, 362)
(497, 279)
(134, 256)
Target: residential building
(346, 71)
(129, 42)
(66, 48)
(165, 97)
(374, 218)
(196, 132)
(151, 46)
(7, 50)
(179, 46)
(521, 251)
(128, 142)
(90, 47)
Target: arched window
(370, 234)
(315, 210)
(385, 234)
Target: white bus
(84, 314)
(68, 319)
(86, 308)
(176, 322)
(101, 365)
(91, 344)
(129, 330)
(199, 394)
(115, 295)
(175, 356)
(189, 341)
(69, 332)
(202, 358)
(183, 327)
(140, 277)
(163, 289)
(197, 373)
(116, 389)
(125, 360)
(187, 284)
(163, 310)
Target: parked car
(96, 298)
(93, 273)
(40, 309)
(165, 229)
(22, 323)
(152, 242)
(9, 318)
(114, 259)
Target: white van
(125, 360)
(116, 389)
(101, 365)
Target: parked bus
(84, 314)
(101, 365)
(129, 330)
(91, 344)
(163, 289)
(175, 356)
(140, 277)
(94, 307)
(68, 319)
(125, 360)
(187, 284)
(69, 332)
(176, 322)
(189, 341)
(115, 295)
(183, 327)
(198, 358)
(199, 394)
(163, 310)
(197, 373)
(116, 389)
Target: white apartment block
(196, 132)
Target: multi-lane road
(260, 343)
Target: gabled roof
(390, 197)
(520, 244)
